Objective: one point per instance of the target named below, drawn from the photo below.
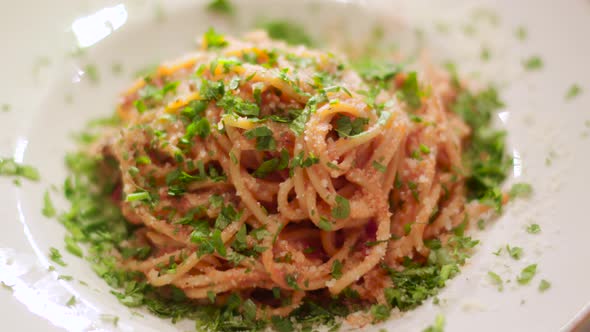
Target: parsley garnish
(379, 167)
(573, 91)
(213, 40)
(380, 312)
(533, 229)
(337, 269)
(342, 208)
(375, 71)
(520, 190)
(264, 138)
(527, 274)
(48, 209)
(497, 280)
(533, 63)
(56, 256)
(521, 33)
(9, 167)
(438, 326)
(92, 72)
(271, 165)
(544, 285)
(290, 32)
(325, 224)
(220, 6)
(291, 281)
(514, 252)
(71, 302)
(346, 128)
(485, 157)
(410, 91)
(233, 104)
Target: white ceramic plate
(51, 94)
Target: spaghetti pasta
(278, 173)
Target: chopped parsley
(92, 72)
(485, 157)
(521, 33)
(336, 269)
(485, 54)
(527, 274)
(272, 165)
(48, 209)
(438, 326)
(6, 107)
(544, 285)
(342, 208)
(213, 40)
(380, 312)
(346, 127)
(410, 91)
(496, 279)
(71, 302)
(377, 71)
(233, 104)
(573, 91)
(514, 252)
(220, 6)
(533, 63)
(520, 190)
(379, 167)
(264, 138)
(325, 224)
(56, 256)
(533, 229)
(290, 32)
(8, 167)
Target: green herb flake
(410, 91)
(521, 33)
(48, 208)
(56, 256)
(8, 167)
(345, 127)
(533, 63)
(72, 247)
(213, 40)
(342, 208)
(138, 196)
(485, 54)
(496, 280)
(527, 274)
(211, 296)
(533, 229)
(380, 312)
(282, 324)
(514, 252)
(573, 91)
(220, 7)
(336, 269)
(325, 224)
(6, 107)
(438, 326)
(544, 285)
(379, 167)
(264, 138)
(71, 302)
(91, 71)
(520, 190)
(289, 32)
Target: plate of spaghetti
(291, 171)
